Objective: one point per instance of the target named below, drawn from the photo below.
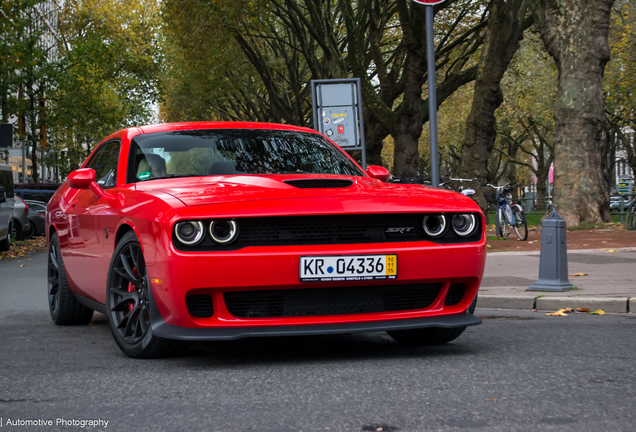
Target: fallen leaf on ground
(586, 245)
(21, 265)
(598, 312)
(582, 309)
(488, 246)
(579, 274)
(491, 399)
(560, 312)
(611, 251)
(568, 310)
(603, 241)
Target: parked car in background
(615, 203)
(6, 207)
(37, 214)
(36, 191)
(20, 219)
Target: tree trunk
(408, 130)
(575, 34)
(506, 23)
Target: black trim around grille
(320, 183)
(455, 294)
(331, 230)
(330, 301)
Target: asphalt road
(519, 371)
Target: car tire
(430, 336)
(65, 309)
(16, 231)
(5, 244)
(32, 231)
(128, 303)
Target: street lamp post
(432, 90)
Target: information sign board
(337, 111)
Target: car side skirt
(91, 304)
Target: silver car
(20, 219)
(6, 207)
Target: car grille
(319, 183)
(329, 229)
(330, 301)
(455, 294)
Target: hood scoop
(320, 183)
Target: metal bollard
(553, 264)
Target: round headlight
(224, 231)
(464, 224)
(189, 233)
(434, 225)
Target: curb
(608, 304)
(506, 302)
(570, 251)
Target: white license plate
(347, 268)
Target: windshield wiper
(173, 176)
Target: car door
(83, 254)
(6, 207)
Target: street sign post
(6, 135)
(337, 111)
(432, 90)
(625, 185)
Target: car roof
(169, 127)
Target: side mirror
(81, 178)
(379, 173)
(84, 178)
(3, 196)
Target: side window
(105, 164)
(6, 181)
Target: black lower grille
(455, 294)
(330, 301)
(200, 306)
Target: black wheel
(64, 307)
(5, 244)
(521, 224)
(630, 222)
(16, 230)
(432, 335)
(32, 231)
(128, 303)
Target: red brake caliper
(131, 288)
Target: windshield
(234, 152)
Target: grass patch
(587, 226)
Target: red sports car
(218, 230)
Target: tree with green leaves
(106, 74)
(575, 33)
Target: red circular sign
(428, 2)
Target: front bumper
(176, 275)
(162, 329)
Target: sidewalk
(609, 284)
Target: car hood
(199, 191)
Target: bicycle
(466, 192)
(508, 216)
(630, 221)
